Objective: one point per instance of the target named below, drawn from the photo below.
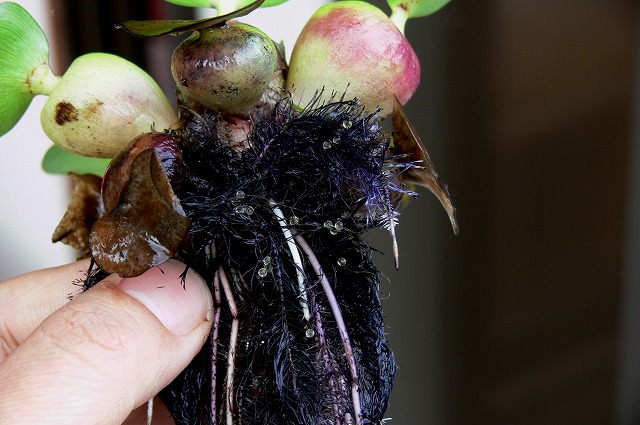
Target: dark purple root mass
(331, 172)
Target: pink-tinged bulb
(353, 46)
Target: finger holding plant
(264, 182)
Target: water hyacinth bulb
(224, 68)
(353, 46)
(101, 103)
(24, 63)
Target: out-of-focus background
(531, 315)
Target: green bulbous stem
(353, 47)
(100, 104)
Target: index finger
(26, 300)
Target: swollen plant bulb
(101, 103)
(353, 47)
(224, 68)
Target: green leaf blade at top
(24, 49)
(157, 28)
(178, 26)
(271, 3)
(223, 4)
(192, 3)
(60, 161)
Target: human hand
(96, 358)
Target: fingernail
(180, 305)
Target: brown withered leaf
(146, 227)
(407, 141)
(119, 169)
(85, 207)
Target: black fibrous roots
(276, 230)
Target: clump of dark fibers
(276, 228)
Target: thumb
(108, 350)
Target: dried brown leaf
(147, 225)
(119, 169)
(407, 142)
(85, 207)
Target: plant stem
(233, 341)
(42, 80)
(328, 367)
(399, 16)
(150, 411)
(214, 345)
(224, 7)
(337, 314)
(304, 300)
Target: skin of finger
(91, 361)
(26, 300)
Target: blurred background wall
(527, 107)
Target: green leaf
(23, 50)
(192, 3)
(60, 161)
(270, 3)
(178, 26)
(417, 8)
(223, 4)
